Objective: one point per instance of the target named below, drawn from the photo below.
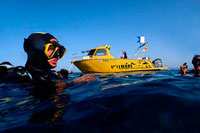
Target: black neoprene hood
(195, 58)
(34, 46)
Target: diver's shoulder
(47, 75)
(191, 71)
(5, 68)
(10, 73)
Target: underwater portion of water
(160, 101)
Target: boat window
(91, 52)
(101, 52)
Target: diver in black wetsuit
(44, 84)
(196, 64)
(43, 52)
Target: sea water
(158, 101)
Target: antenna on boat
(70, 67)
(141, 41)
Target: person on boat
(43, 51)
(125, 55)
(196, 64)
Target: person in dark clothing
(196, 64)
(125, 55)
(44, 84)
(43, 51)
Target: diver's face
(53, 61)
(197, 66)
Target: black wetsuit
(196, 74)
(37, 66)
(9, 73)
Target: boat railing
(76, 56)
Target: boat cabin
(99, 53)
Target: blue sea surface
(147, 102)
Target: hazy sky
(171, 27)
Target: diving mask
(54, 50)
(196, 62)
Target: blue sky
(171, 27)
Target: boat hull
(115, 65)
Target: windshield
(101, 52)
(91, 52)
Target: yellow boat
(99, 60)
